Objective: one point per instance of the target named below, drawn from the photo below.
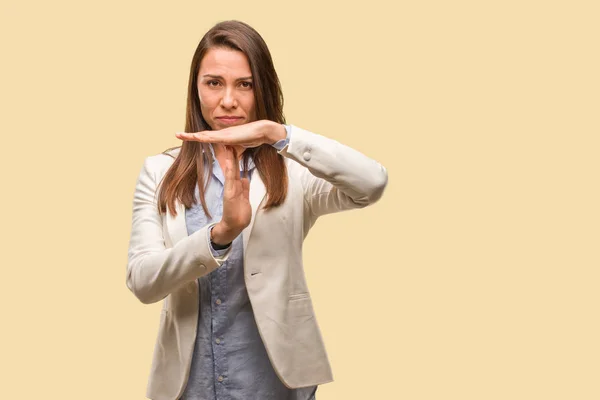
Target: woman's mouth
(229, 120)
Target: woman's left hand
(252, 134)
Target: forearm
(357, 178)
(154, 271)
(152, 275)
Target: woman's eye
(246, 85)
(212, 83)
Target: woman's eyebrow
(220, 77)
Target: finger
(227, 164)
(235, 163)
(231, 173)
(204, 137)
(229, 183)
(191, 136)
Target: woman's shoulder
(169, 155)
(160, 162)
(171, 152)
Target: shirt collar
(241, 161)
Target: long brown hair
(188, 169)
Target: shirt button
(306, 156)
(217, 340)
(218, 301)
(220, 379)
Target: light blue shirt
(230, 360)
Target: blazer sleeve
(336, 177)
(154, 271)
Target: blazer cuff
(280, 144)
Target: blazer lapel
(257, 193)
(176, 225)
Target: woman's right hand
(237, 211)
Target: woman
(222, 248)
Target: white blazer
(164, 263)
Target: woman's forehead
(224, 62)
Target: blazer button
(190, 287)
(306, 156)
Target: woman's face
(225, 88)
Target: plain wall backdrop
(475, 276)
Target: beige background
(476, 275)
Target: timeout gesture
(252, 134)
(237, 211)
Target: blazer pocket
(299, 296)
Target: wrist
(221, 235)
(275, 132)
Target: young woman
(218, 226)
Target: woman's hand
(237, 211)
(252, 134)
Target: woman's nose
(228, 100)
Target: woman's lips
(229, 120)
